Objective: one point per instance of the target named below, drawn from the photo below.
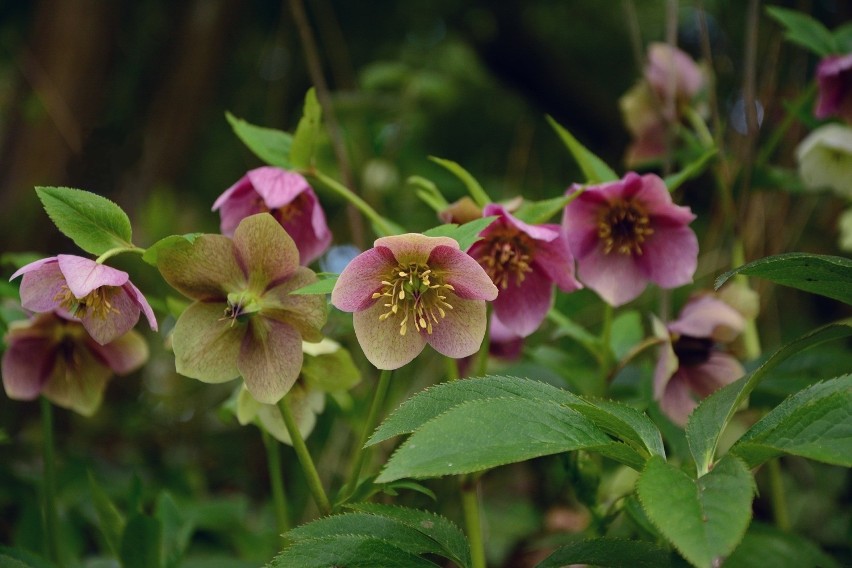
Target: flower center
(288, 212)
(692, 351)
(239, 308)
(507, 252)
(416, 294)
(97, 302)
(623, 227)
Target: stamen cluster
(507, 254)
(414, 291)
(97, 302)
(623, 227)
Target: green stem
(378, 221)
(276, 482)
(51, 519)
(376, 406)
(311, 475)
(751, 338)
(452, 369)
(119, 250)
(779, 499)
(482, 355)
(778, 133)
(472, 519)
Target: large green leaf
(465, 235)
(825, 275)
(110, 519)
(815, 423)
(704, 519)
(595, 169)
(473, 187)
(351, 551)
(626, 423)
(482, 434)
(707, 422)
(610, 552)
(141, 543)
(306, 138)
(804, 30)
(270, 145)
(94, 223)
(764, 545)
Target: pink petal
(677, 402)
(266, 251)
(124, 355)
(277, 187)
(462, 272)
(109, 327)
(657, 201)
(834, 85)
(306, 313)
(381, 341)
(554, 259)
(139, 299)
(667, 363)
(580, 222)
(361, 278)
(706, 316)
(35, 265)
(670, 67)
(41, 286)
(84, 275)
(537, 232)
(309, 229)
(670, 256)
(719, 370)
(270, 359)
(461, 332)
(413, 247)
(522, 308)
(616, 278)
(29, 359)
(238, 202)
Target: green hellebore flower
(244, 321)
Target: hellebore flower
(670, 70)
(834, 74)
(825, 159)
(523, 261)
(691, 364)
(288, 197)
(244, 321)
(54, 356)
(327, 368)
(102, 298)
(409, 290)
(628, 232)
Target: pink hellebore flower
(244, 321)
(523, 261)
(102, 298)
(691, 364)
(409, 290)
(628, 232)
(288, 197)
(834, 75)
(53, 356)
(670, 70)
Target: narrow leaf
(595, 169)
(473, 188)
(829, 276)
(804, 30)
(270, 145)
(94, 223)
(694, 169)
(177, 530)
(351, 551)
(141, 544)
(704, 519)
(306, 138)
(110, 519)
(610, 552)
(536, 212)
(465, 235)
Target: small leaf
(465, 235)
(306, 138)
(322, 286)
(595, 169)
(351, 551)
(428, 192)
(94, 223)
(141, 544)
(692, 170)
(610, 552)
(331, 371)
(704, 519)
(150, 255)
(177, 530)
(270, 145)
(804, 30)
(473, 187)
(537, 212)
(829, 276)
(110, 519)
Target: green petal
(205, 269)
(267, 251)
(305, 404)
(206, 344)
(78, 385)
(381, 341)
(270, 359)
(305, 312)
(331, 371)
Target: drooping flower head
(523, 261)
(285, 195)
(692, 363)
(244, 321)
(54, 356)
(670, 71)
(627, 233)
(101, 297)
(834, 75)
(825, 159)
(409, 290)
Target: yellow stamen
(414, 292)
(623, 227)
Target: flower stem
(380, 223)
(779, 500)
(452, 369)
(481, 365)
(276, 482)
(376, 406)
(51, 521)
(119, 250)
(472, 519)
(308, 467)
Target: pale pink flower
(834, 75)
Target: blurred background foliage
(127, 99)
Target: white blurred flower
(845, 226)
(825, 159)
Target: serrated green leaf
(351, 551)
(153, 251)
(473, 187)
(594, 169)
(610, 552)
(18, 558)
(473, 436)
(323, 286)
(713, 414)
(804, 30)
(626, 423)
(465, 235)
(110, 519)
(141, 543)
(815, 423)
(704, 519)
(306, 138)
(829, 276)
(94, 223)
(692, 170)
(764, 545)
(270, 145)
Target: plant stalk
(307, 463)
(51, 518)
(378, 221)
(375, 407)
(276, 482)
(469, 485)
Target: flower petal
(238, 202)
(461, 332)
(206, 345)
(706, 316)
(84, 275)
(677, 402)
(270, 359)
(124, 355)
(615, 277)
(139, 299)
(381, 341)
(307, 313)
(413, 247)
(537, 232)
(124, 314)
(277, 187)
(657, 201)
(309, 229)
(462, 272)
(29, 358)
(362, 277)
(719, 370)
(670, 256)
(522, 308)
(266, 250)
(41, 286)
(554, 259)
(205, 269)
(667, 362)
(303, 403)
(78, 382)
